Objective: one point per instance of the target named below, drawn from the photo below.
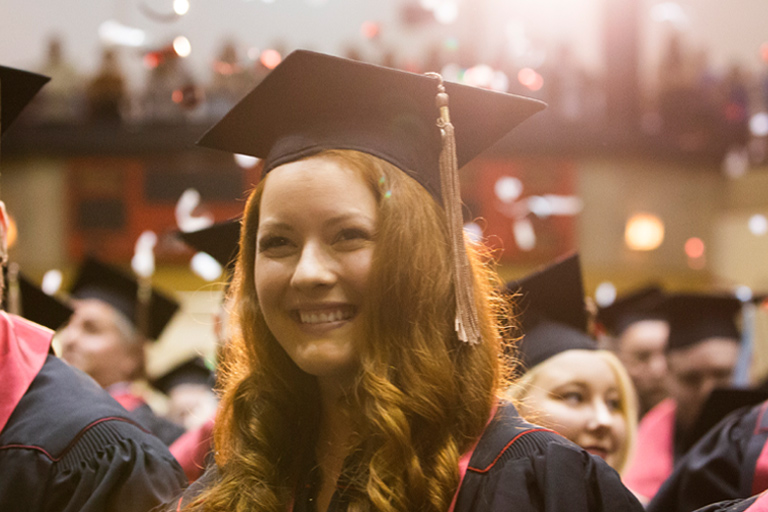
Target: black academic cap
(191, 371)
(219, 240)
(695, 317)
(97, 280)
(552, 312)
(312, 102)
(17, 88)
(643, 304)
(37, 306)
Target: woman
(566, 384)
(367, 360)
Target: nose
(314, 268)
(658, 366)
(602, 416)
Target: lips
(598, 450)
(326, 315)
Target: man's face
(695, 371)
(642, 350)
(93, 342)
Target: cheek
(561, 417)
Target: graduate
(105, 337)
(65, 445)
(566, 383)
(365, 368)
(702, 351)
(638, 332)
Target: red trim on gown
(654, 456)
(24, 345)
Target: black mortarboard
(312, 102)
(643, 304)
(36, 305)
(552, 312)
(191, 371)
(97, 280)
(219, 241)
(17, 88)
(695, 317)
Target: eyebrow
(337, 219)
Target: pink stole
(654, 457)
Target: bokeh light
(447, 12)
(52, 282)
(245, 161)
(205, 266)
(253, 53)
(508, 188)
(644, 232)
(758, 224)
(525, 237)
(114, 33)
(605, 294)
(694, 248)
(758, 124)
(530, 79)
(270, 58)
(181, 7)
(764, 51)
(182, 47)
(143, 261)
(13, 232)
(473, 231)
(743, 293)
(370, 29)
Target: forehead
(710, 353)
(646, 332)
(577, 366)
(93, 309)
(314, 185)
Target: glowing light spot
(182, 47)
(694, 248)
(670, 12)
(429, 5)
(479, 76)
(758, 224)
(253, 53)
(764, 51)
(474, 231)
(387, 194)
(177, 96)
(508, 189)
(605, 294)
(151, 60)
(644, 232)
(743, 293)
(181, 7)
(530, 79)
(382, 180)
(370, 29)
(736, 163)
(51, 282)
(525, 237)
(452, 73)
(270, 58)
(205, 266)
(758, 124)
(447, 12)
(245, 161)
(143, 261)
(114, 33)
(13, 232)
(500, 82)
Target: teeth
(325, 317)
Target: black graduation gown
(719, 467)
(68, 446)
(753, 504)
(516, 467)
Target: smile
(327, 315)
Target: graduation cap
(313, 102)
(694, 318)
(643, 304)
(97, 280)
(17, 88)
(34, 304)
(191, 371)
(219, 240)
(553, 314)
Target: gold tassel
(467, 325)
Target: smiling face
(314, 248)
(577, 394)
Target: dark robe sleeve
(713, 470)
(536, 470)
(730, 506)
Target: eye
(613, 403)
(273, 243)
(572, 397)
(352, 238)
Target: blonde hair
(520, 390)
(421, 397)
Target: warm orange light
(271, 58)
(370, 29)
(13, 232)
(530, 79)
(694, 248)
(764, 51)
(644, 232)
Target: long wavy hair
(421, 397)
